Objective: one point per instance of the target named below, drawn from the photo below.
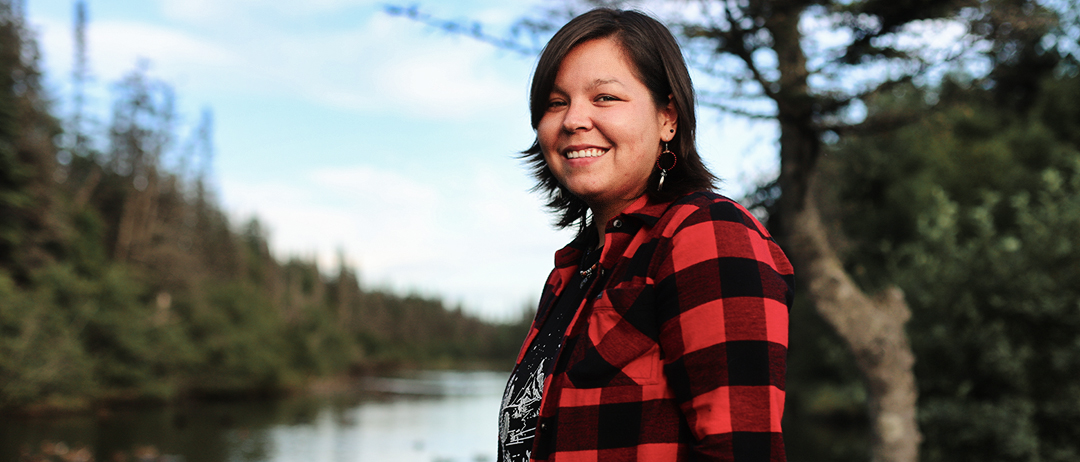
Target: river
(419, 417)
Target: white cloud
(114, 47)
(117, 45)
(484, 242)
(201, 11)
(382, 63)
(219, 12)
(389, 65)
(377, 214)
(437, 83)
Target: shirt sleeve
(723, 293)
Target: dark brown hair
(659, 64)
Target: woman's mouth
(589, 152)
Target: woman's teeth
(592, 152)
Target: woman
(661, 334)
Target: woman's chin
(589, 194)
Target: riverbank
(357, 378)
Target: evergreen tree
(975, 212)
(30, 232)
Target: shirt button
(543, 426)
(617, 223)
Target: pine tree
(31, 234)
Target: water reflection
(436, 417)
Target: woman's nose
(577, 117)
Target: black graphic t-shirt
(521, 400)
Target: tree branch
(474, 29)
(740, 49)
(737, 111)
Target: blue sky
(343, 128)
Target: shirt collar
(643, 209)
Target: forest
(974, 211)
(121, 279)
(935, 231)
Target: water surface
(427, 416)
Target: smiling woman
(661, 333)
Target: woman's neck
(601, 215)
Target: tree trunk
(872, 327)
(125, 228)
(86, 190)
(137, 220)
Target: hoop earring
(663, 170)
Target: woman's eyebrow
(596, 83)
(601, 82)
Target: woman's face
(602, 130)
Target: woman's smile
(587, 152)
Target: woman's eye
(606, 98)
(556, 104)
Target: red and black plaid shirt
(681, 355)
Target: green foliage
(41, 358)
(137, 348)
(240, 340)
(29, 231)
(975, 212)
(414, 330)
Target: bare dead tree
(78, 143)
(80, 74)
(141, 132)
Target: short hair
(659, 64)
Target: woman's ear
(668, 118)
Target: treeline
(121, 278)
(973, 209)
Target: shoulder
(708, 225)
(709, 207)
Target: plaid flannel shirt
(681, 354)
